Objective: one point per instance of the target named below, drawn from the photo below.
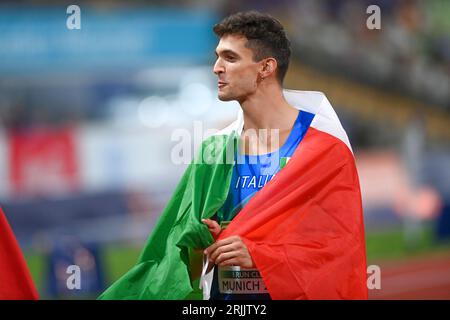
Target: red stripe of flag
(304, 229)
(15, 279)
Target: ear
(268, 67)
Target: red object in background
(15, 278)
(43, 162)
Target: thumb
(211, 223)
(213, 227)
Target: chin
(224, 97)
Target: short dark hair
(265, 34)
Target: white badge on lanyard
(234, 280)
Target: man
(269, 229)
(252, 59)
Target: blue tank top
(250, 174)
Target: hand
(230, 251)
(213, 227)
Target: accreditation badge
(236, 280)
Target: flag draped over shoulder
(304, 229)
(162, 270)
(15, 279)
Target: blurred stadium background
(87, 117)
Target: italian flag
(15, 279)
(304, 229)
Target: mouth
(221, 84)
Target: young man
(252, 59)
(269, 229)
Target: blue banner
(38, 40)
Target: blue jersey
(250, 174)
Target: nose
(218, 67)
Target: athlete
(252, 60)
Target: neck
(268, 109)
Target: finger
(213, 227)
(226, 256)
(235, 261)
(243, 262)
(211, 223)
(220, 243)
(220, 250)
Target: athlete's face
(237, 72)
